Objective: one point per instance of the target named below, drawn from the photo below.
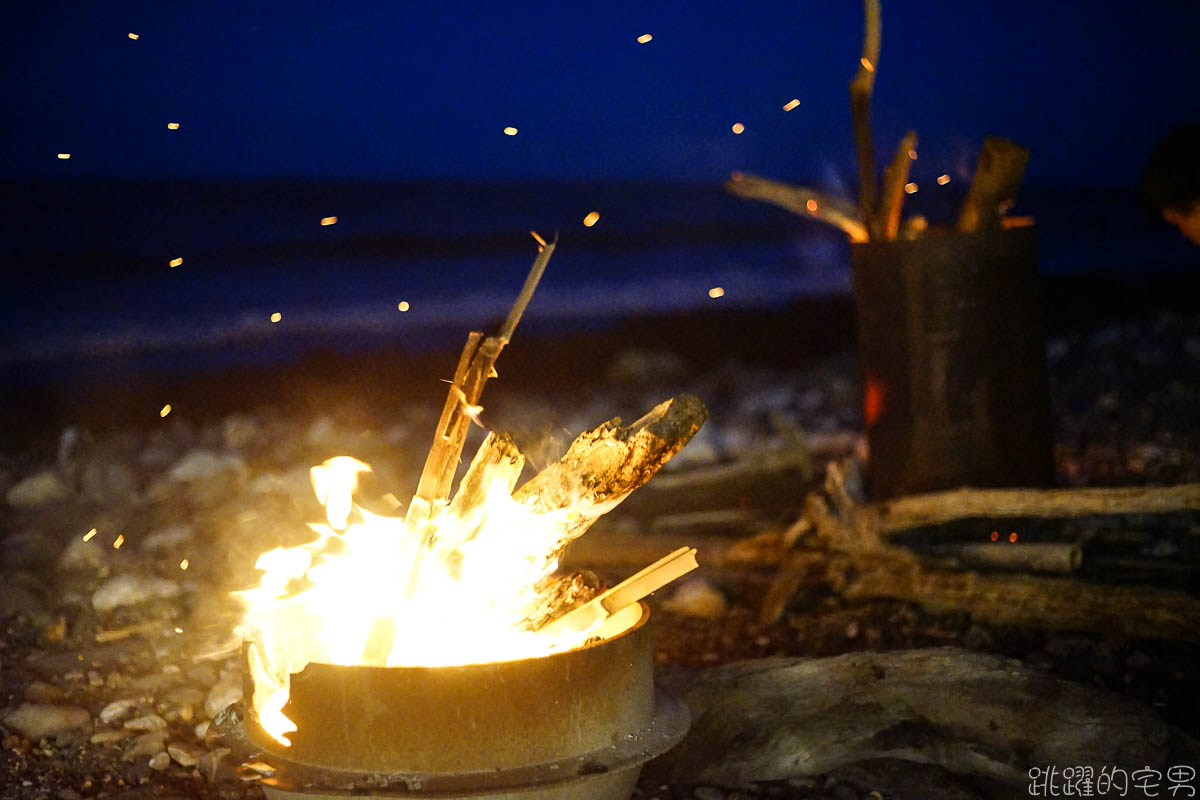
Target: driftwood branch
(894, 179)
(974, 714)
(800, 200)
(496, 458)
(920, 510)
(862, 566)
(861, 88)
(998, 176)
(603, 465)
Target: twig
(895, 176)
(531, 283)
(998, 176)
(860, 109)
(801, 200)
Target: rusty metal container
(952, 343)
(577, 724)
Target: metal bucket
(577, 724)
(952, 343)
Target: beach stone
(108, 737)
(201, 729)
(118, 709)
(697, 598)
(217, 766)
(130, 589)
(185, 755)
(164, 540)
(203, 674)
(205, 465)
(106, 480)
(81, 555)
(147, 744)
(146, 722)
(42, 692)
(39, 720)
(29, 549)
(225, 692)
(16, 599)
(160, 761)
(36, 490)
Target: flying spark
(87, 537)
(510, 131)
(943, 180)
(791, 104)
(644, 38)
(537, 238)
(910, 188)
(867, 65)
(175, 262)
(403, 305)
(63, 156)
(912, 154)
(326, 221)
(276, 317)
(811, 205)
(165, 410)
(184, 565)
(120, 540)
(133, 36)
(591, 219)
(716, 292)
(172, 126)
(1012, 537)
(738, 127)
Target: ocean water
(88, 284)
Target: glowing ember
(812, 206)
(644, 38)
(403, 305)
(165, 410)
(87, 537)
(133, 36)
(538, 238)
(184, 564)
(591, 219)
(791, 104)
(510, 131)
(63, 156)
(276, 317)
(910, 188)
(716, 292)
(326, 221)
(175, 262)
(943, 180)
(172, 126)
(738, 127)
(332, 600)
(912, 154)
(867, 65)
(120, 540)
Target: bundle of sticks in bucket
(999, 172)
(600, 468)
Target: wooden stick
(531, 283)
(932, 509)
(895, 176)
(860, 108)
(998, 176)
(630, 590)
(801, 200)
(1060, 558)
(497, 457)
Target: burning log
(775, 719)
(998, 176)
(603, 465)
(497, 458)
(558, 595)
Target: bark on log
(861, 88)
(603, 465)
(931, 509)
(497, 457)
(998, 176)
(895, 177)
(775, 719)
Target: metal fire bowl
(577, 724)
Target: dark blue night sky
(424, 89)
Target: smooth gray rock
(39, 720)
(130, 589)
(38, 489)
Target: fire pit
(577, 724)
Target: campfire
(459, 601)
